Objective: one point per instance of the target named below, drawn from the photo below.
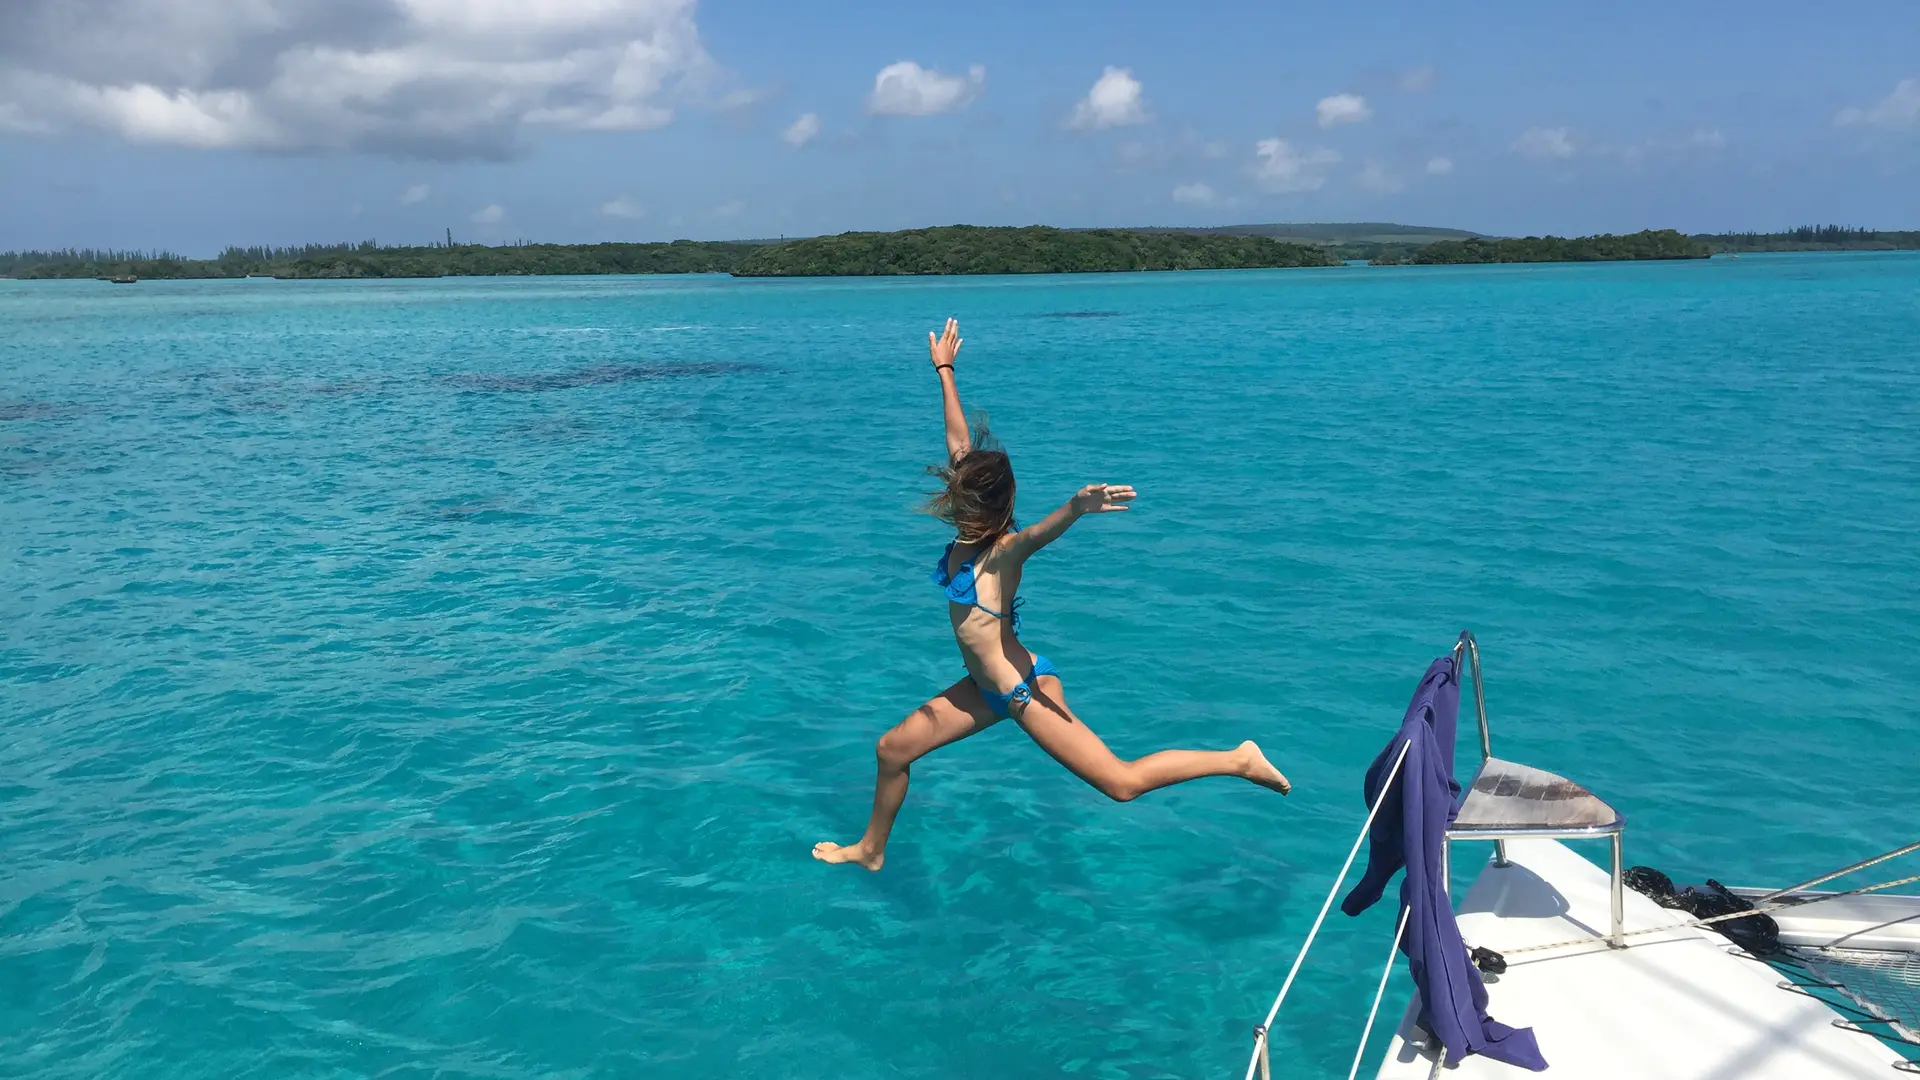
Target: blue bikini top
(960, 587)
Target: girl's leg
(959, 711)
(1061, 734)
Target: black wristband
(937, 367)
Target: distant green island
(370, 260)
(966, 249)
(1813, 238)
(1651, 244)
(953, 249)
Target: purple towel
(1407, 833)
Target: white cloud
(1632, 154)
(1545, 144)
(1439, 166)
(1376, 178)
(1898, 111)
(416, 194)
(907, 89)
(801, 131)
(1215, 150)
(621, 207)
(1114, 101)
(740, 97)
(1282, 169)
(141, 112)
(492, 214)
(1342, 109)
(412, 78)
(14, 119)
(1417, 80)
(730, 209)
(1195, 195)
(1701, 141)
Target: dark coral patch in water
(598, 375)
(28, 410)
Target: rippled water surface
(450, 678)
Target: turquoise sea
(449, 678)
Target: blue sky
(191, 124)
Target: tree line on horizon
(1036, 249)
(954, 249)
(1647, 244)
(957, 249)
(1814, 238)
(368, 259)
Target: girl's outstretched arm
(1092, 499)
(943, 349)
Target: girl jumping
(980, 575)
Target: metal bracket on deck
(1891, 1036)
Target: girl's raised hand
(945, 347)
(1102, 498)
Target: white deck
(1674, 1006)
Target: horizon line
(155, 254)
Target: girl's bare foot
(1257, 769)
(830, 852)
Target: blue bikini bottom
(1021, 693)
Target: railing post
(1618, 937)
(1471, 648)
(1468, 649)
(1260, 1051)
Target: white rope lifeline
(1392, 951)
(1260, 1033)
(1711, 919)
(1824, 878)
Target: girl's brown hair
(977, 493)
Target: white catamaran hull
(1678, 1004)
